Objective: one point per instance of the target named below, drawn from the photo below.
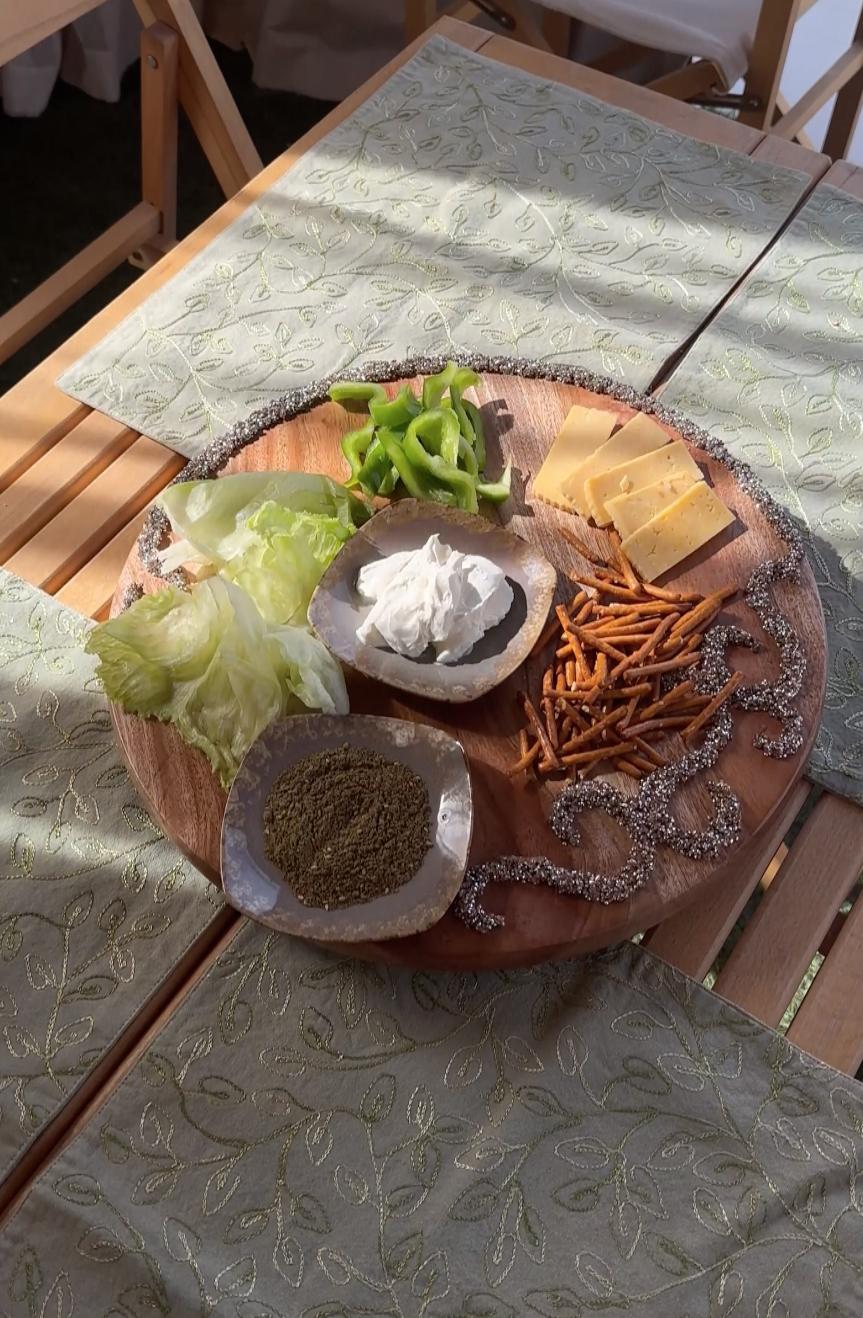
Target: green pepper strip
(467, 457)
(475, 417)
(496, 491)
(354, 446)
(355, 396)
(447, 484)
(463, 418)
(375, 470)
(389, 482)
(415, 480)
(435, 386)
(400, 412)
(438, 432)
(464, 378)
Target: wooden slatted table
(75, 486)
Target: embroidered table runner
(779, 377)
(465, 205)
(330, 1139)
(96, 908)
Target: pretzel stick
(649, 753)
(536, 724)
(709, 710)
(666, 666)
(588, 554)
(525, 761)
(620, 592)
(626, 569)
(547, 707)
(669, 648)
(550, 722)
(590, 757)
(633, 660)
(609, 574)
(609, 628)
(659, 724)
(654, 608)
(711, 605)
(672, 697)
(627, 692)
(619, 639)
(630, 710)
(595, 731)
(672, 596)
(572, 631)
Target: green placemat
(779, 377)
(464, 206)
(329, 1139)
(95, 907)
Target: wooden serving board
(522, 418)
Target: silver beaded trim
(646, 815)
(133, 592)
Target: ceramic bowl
(255, 886)
(336, 610)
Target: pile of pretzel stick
(602, 702)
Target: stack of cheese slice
(649, 488)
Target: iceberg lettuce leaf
(206, 661)
(273, 533)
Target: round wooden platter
(522, 418)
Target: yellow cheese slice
(637, 437)
(582, 433)
(675, 533)
(670, 460)
(631, 511)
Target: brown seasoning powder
(346, 826)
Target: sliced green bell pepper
(376, 472)
(412, 477)
(446, 483)
(467, 457)
(356, 395)
(463, 419)
(464, 378)
(435, 386)
(355, 445)
(474, 416)
(400, 412)
(438, 432)
(496, 491)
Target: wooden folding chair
(765, 30)
(177, 65)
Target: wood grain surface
(522, 417)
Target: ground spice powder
(346, 826)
